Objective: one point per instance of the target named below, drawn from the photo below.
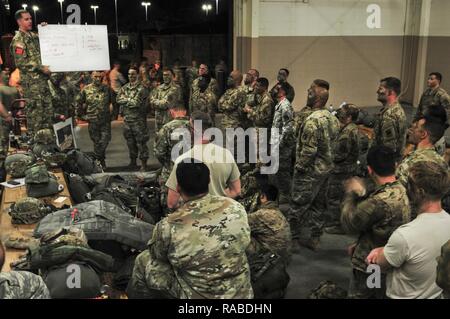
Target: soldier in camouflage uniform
(164, 143)
(260, 112)
(390, 125)
(166, 96)
(132, 98)
(284, 142)
(62, 108)
(198, 251)
(203, 99)
(269, 228)
(282, 77)
(212, 86)
(423, 134)
(313, 165)
(300, 118)
(434, 96)
(191, 74)
(94, 101)
(33, 75)
(373, 217)
(20, 284)
(443, 270)
(346, 153)
(232, 102)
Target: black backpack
(81, 163)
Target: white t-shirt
(222, 167)
(412, 251)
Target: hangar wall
(331, 39)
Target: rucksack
(103, 223)
(268, 275)
(78, 188)
(81, 163)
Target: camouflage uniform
(231, 105)
(204, 102)
(213, 87)
(390, 129)
(132, 100)
(163, 151)
(283, 122)
(162, 99)
(443, 269)
(27, 56)
(374, 218)
(300, 118)
(346, 153)
(433, 97)
(270, 230)
(419, 155)
(261, 117)
(191, 75)
(198, 252)
(60, 101)
(22, 285)
(97, 99)
(314, 162)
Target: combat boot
(144, 166)
(310, 243)
(133, 163)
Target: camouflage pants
(4, 147)
(152, 279)
(358, 288)
(161, 118)
(39, 108)
(136, 134)
(335, 196)
(115, 107)
(100, 133)
(283, 178)
(308, 204)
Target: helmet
(45, 136)
(27, 211)
(17, 164)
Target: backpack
(107, 227)
(78, 188)
(81, 163)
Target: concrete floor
(307, 268)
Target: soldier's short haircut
(204, 118)
(2, 255)
(322, 83)
(179, 107)
(352, 111)
(431, 178)
(270, 191)
(435, 128)
(437, 75)
(382, 160)
(193, 177)
(263, 82)
(19, 13)
(393, 84)
(166, 69)
(255, 71)
(285, 70)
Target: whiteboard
(70, 48)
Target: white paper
(70, 48)
(60, 200)
(65, 138)
(21, 182)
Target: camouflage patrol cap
(17, 164)
(328, 290)
(71, 236)
(45, 136)
(28, 211)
